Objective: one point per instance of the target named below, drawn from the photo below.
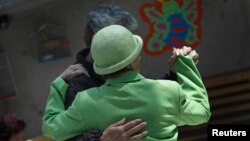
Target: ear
(136, 64)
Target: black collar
(81, 59)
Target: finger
(136, 128)
(71, 67)
(138, 137)
(174, 50)
(84, 71)
(194, 54)
(196, 62)
(131, 124)
(177, 51)
(78, 66)
(172, 59)
(119, 123)
(184, 47)
(186, 50)
(181, 52)
(171, 62)
(77, 72)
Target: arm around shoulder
(58, 123)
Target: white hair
(105, 15)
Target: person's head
(106, 15)
(114, 50)
(11, 128)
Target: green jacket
(163, 104)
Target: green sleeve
(194, 104)
(58, 123)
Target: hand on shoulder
(73, 71)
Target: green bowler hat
(113, 48)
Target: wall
(224, 48)
(225, 40)
(225, 43)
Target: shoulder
(164, 85)
(90, 93)
(89, 97)
(162, 82)
(77, 84)
(81, 82)
(79, 78)
(166, 82)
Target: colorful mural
(172, 23)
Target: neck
(89, 58)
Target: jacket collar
(81, 58)
(129, 76)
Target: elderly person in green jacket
(163, 104)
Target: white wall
(224, 48)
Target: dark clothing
(170, 76)
(83, 82)
(91, 135)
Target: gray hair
(105, 15)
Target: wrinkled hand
(73, 71)
(183, 51)
(121, 131)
